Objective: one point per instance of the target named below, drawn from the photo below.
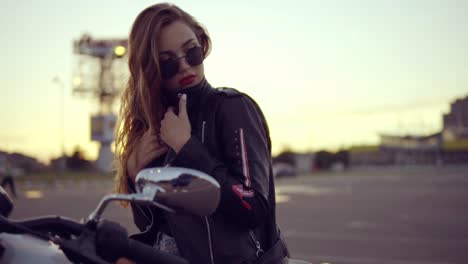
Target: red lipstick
(187, 80)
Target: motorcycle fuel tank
(16, 249)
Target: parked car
(282, 169)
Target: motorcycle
(60, 240)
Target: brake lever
(82, 249)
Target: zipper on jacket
(203, 132)
(256, 243)
(206, 218)
(209, 239)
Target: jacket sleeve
(244, 164)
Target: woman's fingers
(124, 261)
(151, 138)
(147, 137)
(147, 149)
(152, 153)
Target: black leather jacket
(230, 141)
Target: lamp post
(59, 82)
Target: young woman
(170, 115)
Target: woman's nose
(183, 64)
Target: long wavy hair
(141, 101)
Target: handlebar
(145, 254)
(54, 224)
(112, 242)
(42, 227)
(108, 240)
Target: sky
(327, 74)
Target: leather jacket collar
(194, 95)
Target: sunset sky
(327, 74)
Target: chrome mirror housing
(172, 189)
(180, 189)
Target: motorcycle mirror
(6, 204)
(181, 189)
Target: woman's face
(175, 40)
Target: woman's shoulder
(235, 101)
(233, 94)
(229, 92)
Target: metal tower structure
(100, 73)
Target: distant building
(412, 149)
(455, 123)
(22, 162)
(423, 149)
(304, 162)
(371, 157)
(402, 150)
(411, 142)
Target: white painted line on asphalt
(360, 225)
(33, 194)
(306, 190)
(364, 260)
(316, 236)
(281, 198)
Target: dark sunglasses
(170, 67)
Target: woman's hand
(147, 149)
(176, 129)
(124, 261)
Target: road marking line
(33, 194)
(364, 260)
